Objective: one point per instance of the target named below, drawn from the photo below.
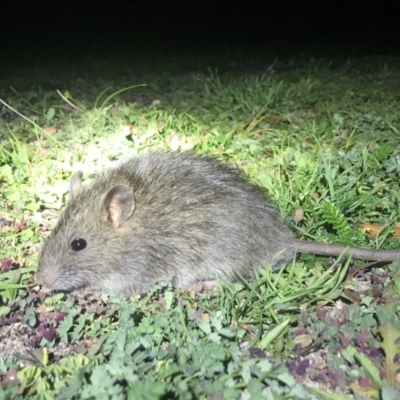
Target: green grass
(321, 139)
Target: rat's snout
(38, 278)
(44, 278)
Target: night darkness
(318, 28)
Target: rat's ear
(75, 184)
(118, 205)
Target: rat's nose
(38, 277)
(43, 278)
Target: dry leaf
(205, 317)
(371, 230)
(50, 130)
(298, 215)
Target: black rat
(179, 217)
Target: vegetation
(320, 136)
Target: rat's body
(177, 217)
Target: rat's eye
(78, 244)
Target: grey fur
(177, 217)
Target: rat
(179, 217)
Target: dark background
(90, 27)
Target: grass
(320, 136)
